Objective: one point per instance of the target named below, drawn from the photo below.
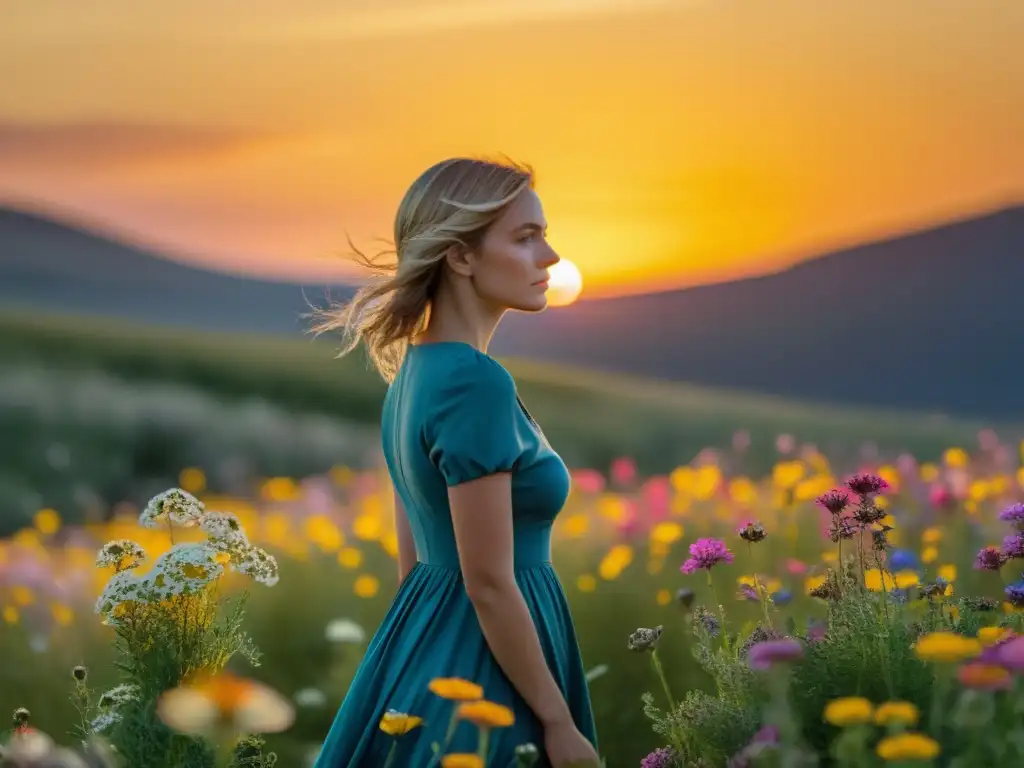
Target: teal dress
(452, 415)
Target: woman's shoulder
(454, 369)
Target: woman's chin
(532, 304)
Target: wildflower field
(851, 607)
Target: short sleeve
(474, 427)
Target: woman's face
(510, 268)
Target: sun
(565, 283)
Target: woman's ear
(459, 261)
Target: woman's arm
(406, 544)
(482, 516)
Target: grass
(590, 417)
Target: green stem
(664, 681)
(485, 735)
(452, 725)
(721, 612)
(391, 753)
(938, 702)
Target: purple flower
(769, 734)
(989, 559)
(1013, 546)
(770, 652)
(865, 485)
(706, 553)
(835, 501)
(1010, 654)
(1014, 514)
(747, 592)
(664, 757)
(1015, 594)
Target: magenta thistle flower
(1014, 514)
(665, 757)
(1013, 546)
(989, 559)
(865, 485)
(771, 652)
(706, 553)
(835, 501)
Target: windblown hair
(451, 203)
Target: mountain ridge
(925, 320)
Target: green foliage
(867, 651)
(97, 413)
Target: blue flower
(782, 597)
(902, 560)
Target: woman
(477, 487)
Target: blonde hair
(452, 203)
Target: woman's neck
(460, 318)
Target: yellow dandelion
(576, 525)
(366, 585)
(897, 713)
(664, 597)
(667, 533)
(47, 521)
(956, 458)
(192, 479)
(989, 636)
(946, 647)
(907, 579)
(929, 555)
(585, 582)
(931, 535)
(486, 714)
(399, 723)
(878, 581)
(456, 689)
(907, 746)
(350, 557)
(947, 572)
(10, 614)
(851, 710)
(62, 614)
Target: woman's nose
(548, 257)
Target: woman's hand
(566, 746)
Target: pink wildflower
(706, 553)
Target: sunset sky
(675, 141)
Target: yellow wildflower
(456, 689)
(463, 760)
(907, 746)
(991, 635)
(399, 723)
(897, 712)
(947, 647)
(486, 714)
(847, 711)
(366, 585)
(585, 582)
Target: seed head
(21, 716)
(80, 673)
(753, 532)
(644, 639)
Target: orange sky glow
(675, 141)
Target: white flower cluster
(121, 554)
(119, 695)
(224, 531)
(185, 568)
(173, 506)
(110, 704)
